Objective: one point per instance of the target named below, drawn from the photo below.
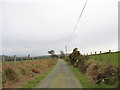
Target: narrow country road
(60, 77)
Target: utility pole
(66, 49)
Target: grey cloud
(36, 26)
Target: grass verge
(36, 80)
(85, 82)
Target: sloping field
(111, 58)
(16, 74)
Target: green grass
(36, 80)
(85, 82)
(111, 58)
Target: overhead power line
(78, 20)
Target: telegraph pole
(66, 49)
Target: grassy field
(24, 73)
(111, 58)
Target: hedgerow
(95, 71)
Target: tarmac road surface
(60, 77)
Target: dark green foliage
(53, 55)
(62, 55)
(78, 60)
(66, 59)
(74, 56)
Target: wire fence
(28, 57)
(110, 57)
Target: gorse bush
(74, 56)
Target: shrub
(92, 70)
(36, 70)
(74, 56)
(98, 73)
(23, 71)
(81, 64)
(66, 59)
(107, 75)
(10, 75)
(110, 71)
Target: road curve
(60, 77)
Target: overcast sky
(36, 26)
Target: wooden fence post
(87, 54)
(109, 51)
(3, 58)
(100, 55)
(21, 58)
(15, 58)
(100, 52)
(95, 55)
(28, 56)
(91, 53)
(109, 54)
(33, 58)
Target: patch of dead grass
(16, 75)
